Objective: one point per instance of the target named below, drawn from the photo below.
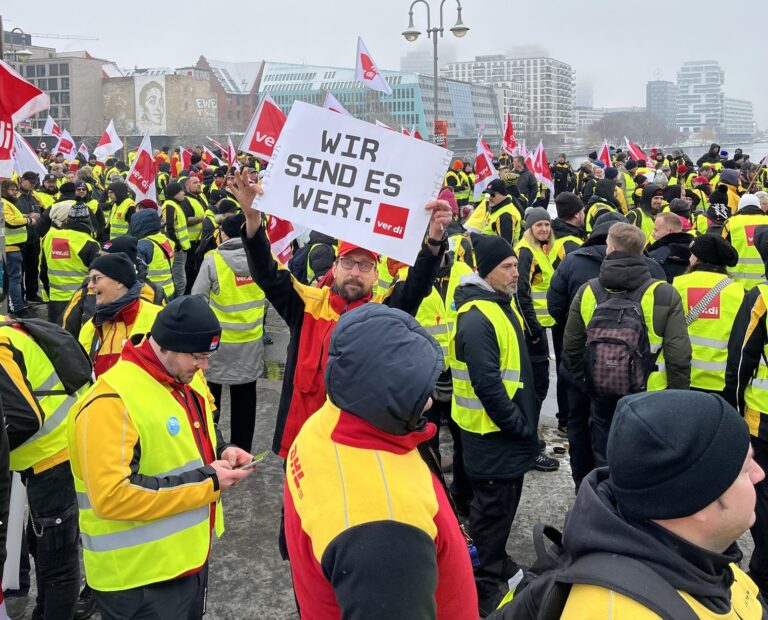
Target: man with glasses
(312, 312)
(150, 467)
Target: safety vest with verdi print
(539, 289)
(750, 269)
(756, 392)
(179, 223)
(239, 305)
(66, 270)
(709, 333)
(491, 226)
(466, 408)
(120, 555)
(437, 315)
(51, 439)
(657, 380)
(198, 204)
(118, 224)
(159, 268)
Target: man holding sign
(311, 313)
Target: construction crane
(44, 35)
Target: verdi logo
(60, 249)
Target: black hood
(678, 243)
(623, 272)
(561, 228)
(390, 387)
(648, 192)
(606, 189)
(594, 524)
(318, 237)
(119, 189)
(144, 223)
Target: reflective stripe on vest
(557, 251)
(658, 378)
(179, 223)
(466, 408)
(120, 555)
(709, 333)
(198, 204)
(385, 279)
(51, 438)
(159, 268)
(492, 227)
(66, 270)
(118, 224)
(239, 305)
(750, 269)
(14, 236)
(539, 290)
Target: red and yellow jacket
(311, 314)
(369, 528)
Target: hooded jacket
(510, 452)
(579, 267)
(623, 272)
(636, 215)
(368, 526)
(527, 185)
(144, 223)
(311, 314)
(595, 524)
(672, 252)
(234, 363)
(321, 253)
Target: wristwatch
(436, 242)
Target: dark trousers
(192, 266)
(56, 311)
(52, 536)
(600, 418)
(178, 599)
(242, 400)
(579, 437)
(758, 565)
(562, 384)
(539, 354)
(30, 257)
(491, 515)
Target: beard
(352, 290)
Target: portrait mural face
(150, 104)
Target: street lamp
(21, 55)
(411, 34)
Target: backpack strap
(695, 312)
(632, 579)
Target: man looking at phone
(150, 467)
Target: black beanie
(172, 189)
(568, 204)
(715, 250)
(187, 325)
(123, 243)
(672, 453)
(490, 250)
(116, 266)
(231, 225)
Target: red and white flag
(66, 145)
(185, 157)
(208, 157)
(604, 154)
(541, 168)
(367, 72)
(635, 152)
(109, 143)
(281, 233)
(51, 127)
(404, 131)
(384, 125)
(141, 176)
(264, 129)
(24, 157)
(231, 154)
(523, 150)
(83, 150)
(530, 159)
(416, 134)
(485, 171)
(217, 144)
(334, 105)
(509, 144)
(18, 101)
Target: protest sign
(353, 180)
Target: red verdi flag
(510, 144)
(264, 129)
(635, 152)
(109, 143)
(541, 168)
(484, 169)
(367, 72)
(66, 145)
(18, 101)
(51, 127)
(141, 177)
(604, 154)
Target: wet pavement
(248, 580)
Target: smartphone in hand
(257, 458)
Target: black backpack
(618, 356)
(544, 590)
(65, 353)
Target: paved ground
(249, 580)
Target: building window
(40, 70)
(64, 83)
(64, 69)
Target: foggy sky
(618, 46)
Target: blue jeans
(13, 265)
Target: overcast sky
(617, 46)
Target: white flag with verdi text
(367, 72)
(353, 181)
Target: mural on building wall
(150, 104)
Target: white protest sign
(353, 180)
